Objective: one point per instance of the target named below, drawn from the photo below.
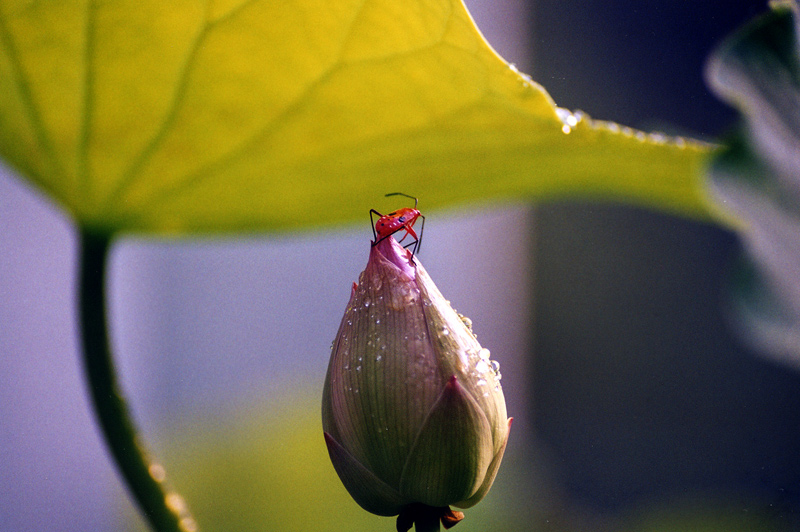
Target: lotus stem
(164, 510)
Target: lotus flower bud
(412, 409)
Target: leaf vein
(208, 170)
(27, 98)
(191, 179)
(85, 138)
(181, 85)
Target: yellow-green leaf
(187, 116)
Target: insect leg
(372, 222)
(419, 238)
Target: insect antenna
(416, 201)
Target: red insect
(399, 220)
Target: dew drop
(188, 524)
(157, 472)
(445, 331)
(481, 382)
(367, 302)
(568, 119)
(358, 368)
(495, 367)
(484, 353)
(377, 321)
(482, 366)
(378, 358)
(175, 502)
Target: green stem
(163, 509)
(427, 521)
